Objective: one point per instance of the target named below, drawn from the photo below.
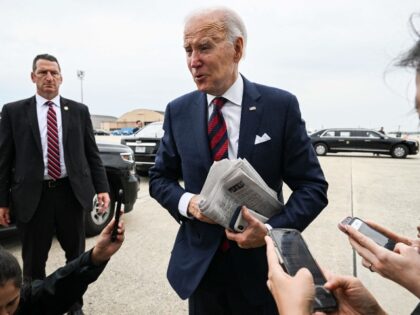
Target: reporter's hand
(4, 216)
(254, 234)
(194, 210)
(352, 296)
(394, 236)
(104, 248)
(401, 265)
(103, 202)
(293, 295)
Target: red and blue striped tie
(219, 144)
(53, 149)
(217, 131)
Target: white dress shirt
(42, 110)
(232, 115)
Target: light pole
(81, 76)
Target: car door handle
(368, 140)
(340, 140)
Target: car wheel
(399, 151)
(320, 149)
(95, 221)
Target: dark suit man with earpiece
(50, 170)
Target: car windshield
(151, 131)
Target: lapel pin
(66, 108)
(252, 108)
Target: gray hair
(233, 23)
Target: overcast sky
(335, 56)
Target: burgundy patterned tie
(219, 144)
(217, 131)
(53, 149)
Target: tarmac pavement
(382, 189)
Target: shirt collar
(41, 101)
(234, 94)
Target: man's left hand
(253, 236)
(103, 202)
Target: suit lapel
(198, 118)
(33, 121)
(250, 120)
(65, 117)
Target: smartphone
(238, 222)
(114, 232)
(370, 232)
(293, 255)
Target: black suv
(121, 173)
(145, 144)
(361, 140)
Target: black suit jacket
(21, 160)
(59, 291)
(287, 157)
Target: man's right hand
(194, 210)
(352, 296)
(4, 216)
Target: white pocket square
(265, 137)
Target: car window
(344, 134)
(329, 133)
(358, 133)
(151, 131)
(372, 134)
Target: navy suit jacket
(288, 157)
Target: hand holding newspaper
(232, 183)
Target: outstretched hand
(352, 296)
(401, 265)
(394, 236)
(293, 295)
(104, 248)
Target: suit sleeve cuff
(183, 204)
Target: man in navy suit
(265, 127)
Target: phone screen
(296, 255)
(365, 229)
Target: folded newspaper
(233, 183)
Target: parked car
(335, 140)
(100, 132)
(123, 131)
(120, 170)
(145, 144)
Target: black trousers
(58, 213)
(220, 293)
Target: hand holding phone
(292, 294)
(359, 225)
(114, 232)
(238, 222)
(293, 255)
